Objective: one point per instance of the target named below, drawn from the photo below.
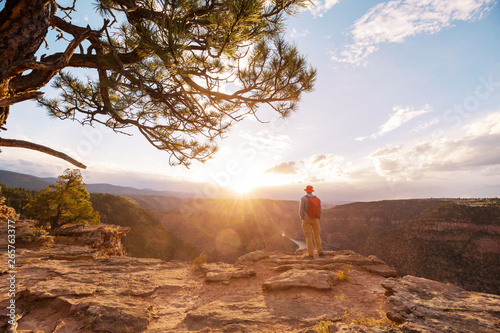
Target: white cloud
(285, 168)
(316, 168)
(296, 34)
(323, 160)
(397, 119)
(489, 126)
(394, 21)
(430, 123)
(476, 151)
(400, 117)
(267, 140)
(318, 8)
(32, 162)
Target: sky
(406, 105)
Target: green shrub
(33, 236)
(343, 274)
(201, 259)
(323, 326)
(358, 317)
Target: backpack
(314, 207)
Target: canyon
(82, 282)
(449, 240)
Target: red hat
(309, 188)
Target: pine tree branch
(20, 98)
(42, 71)
(40, 148)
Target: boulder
(105, 238)
(6, 212)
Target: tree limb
(20, 98)
(47, 70)
(40, 148)
(38, 78)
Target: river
(302, 244)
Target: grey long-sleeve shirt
(304, 204)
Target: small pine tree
(66, 202)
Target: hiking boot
(321, 254)
(309, 257)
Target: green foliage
(17, 197)
(323, 326)
(201, 259)
(183, 72)
(351, 315)
(147, 237)
(66, 202)
(33, 236)
(343, 274)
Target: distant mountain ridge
(15, 179)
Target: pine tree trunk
(23, 27)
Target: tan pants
(311, 227)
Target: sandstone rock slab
(296, 278)
(253, 256)
(431, 306)
(114, 315)
(105, 238)
(349, 257)
(223, 272)
(381, 269)
(123, 294)
(220, 313)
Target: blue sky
(406, 105)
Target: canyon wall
(447, 240)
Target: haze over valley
(449, 240)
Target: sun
(243, 185)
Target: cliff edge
(86, 287)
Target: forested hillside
(17, 197)
(147, 237)
(224, 229)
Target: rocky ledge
(262, 292)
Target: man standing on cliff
(310, 211)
